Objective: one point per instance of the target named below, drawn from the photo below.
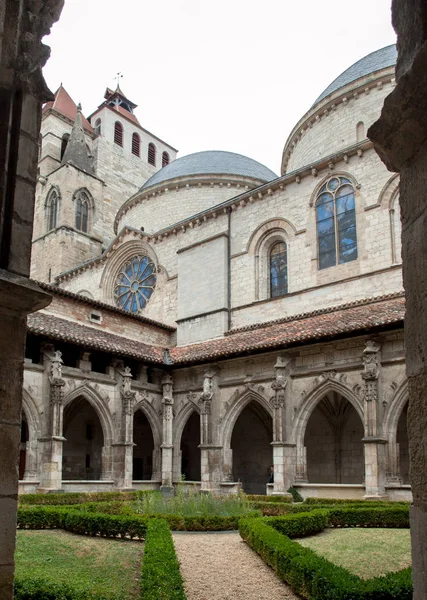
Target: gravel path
(220, 566)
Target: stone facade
(169, 354)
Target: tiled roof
(43, 324)
(375, 61)
(57, 291)
(211, 162)
(65, 105)
(335, 322)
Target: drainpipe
(229, 267)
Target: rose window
(135, 284)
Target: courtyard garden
(106, 546)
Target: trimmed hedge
(83, 523)
(300, 525)
(314, 577)
(397, 517)
(38, 589)
(262, 498)
(83, 520)
(160, 576)
(354, 501)
(68, 498)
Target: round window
(135, 283)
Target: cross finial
(118, 77)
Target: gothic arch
(315, 395)
(118, 256)
(237, 403)
(54, 194)
(389, 191)
(88, 393)
(394, 411)
(84, 196)
(32, 414)
(330, 175)
(153, 418)
(181, 421)
(285, 226)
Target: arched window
(152, 154)
(118, 133)
(165, 159)
(98, 123)
(135, 284)
(336, 223)
(360, 131)
(82, 211)
(52, 209)
(278, 270)
(136, 144)
(64, 143)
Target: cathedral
(211, 318)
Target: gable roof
(65, 105)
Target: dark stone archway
(144, 447)
(251, 446)
(190, 451)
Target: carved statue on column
(167, 383)
(128, 397)
(278, 399)
(370, 373)
(56, 394)
(205, 403)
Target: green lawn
(364, 552)
(109, 567)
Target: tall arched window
(136, 144)
(165, 159)
(360, 131)
(52, 209)
(98, 127)
(118, 133)
(278, 270)
(82, 211)
(336, 223)
(64, 143)
(152, 154)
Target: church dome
(373, 62)
(211, 162)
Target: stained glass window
(336, 223)
(135, 284)
(53, 210)
(278, 270)
(82, 212)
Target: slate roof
(55, 328)
(298, 329)
(212, 162)
(380, 59)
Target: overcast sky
(214, 75)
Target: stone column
(400, 138)
(393, 477)
(23, 23)
(123, 449)
(283, 452)
(167, 440)
(52, 442)
(374, 442)
(211, 454)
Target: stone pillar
(167, 439)
(211, 454)
(400, 138)
(52, 442)
(301, 466)
(374, 443)
(123, 449)
(283, 453)
(393, 477)
(22, 90)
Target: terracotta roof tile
(60, 329)
(66, 106)
(373, 314)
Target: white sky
(221, 75)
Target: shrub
(354, 501)
(69, 498)
(38, 589)
(314, 577)
(296, 496)
(261, 498)
(160, 576)
(300, 525)
(397, 516)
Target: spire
(76, 152)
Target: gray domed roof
(380, 59)
(212, 162)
